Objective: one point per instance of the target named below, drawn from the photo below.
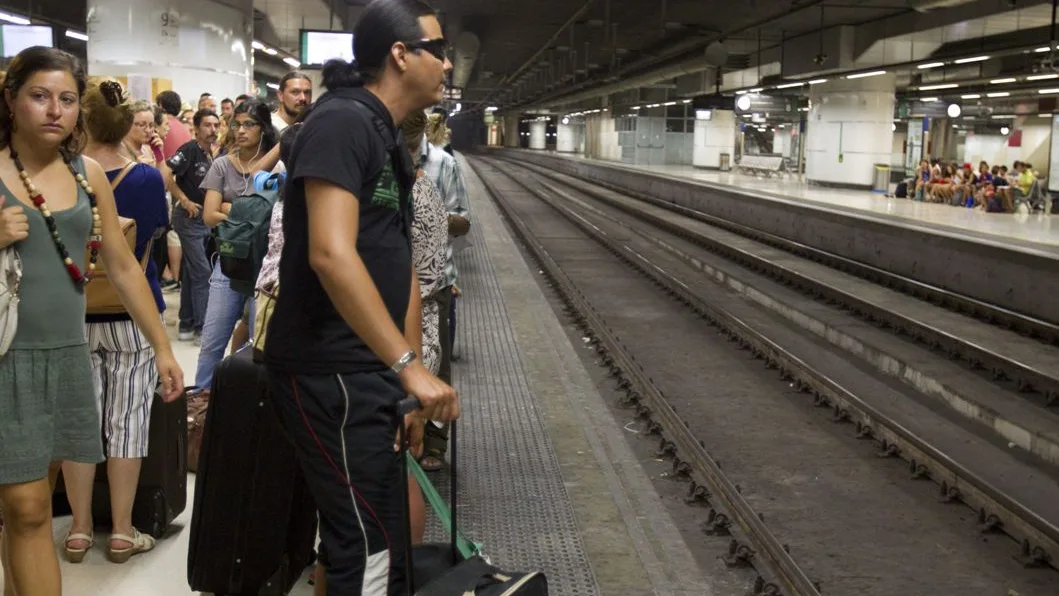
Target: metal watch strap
(402, 363)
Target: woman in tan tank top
(57, 206)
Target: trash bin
(881, 181)
(726, 162)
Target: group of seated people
(995, 190)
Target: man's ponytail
(339, 74)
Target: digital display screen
(15, 38)
(320, 46)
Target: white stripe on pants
(125, 377)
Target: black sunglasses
(438, 47)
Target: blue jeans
(224, 311)
(194, 269)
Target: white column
(781, 142)
(538, 134)
(565, 138)
(198, 45)
(850, 130)
(511, 132)
(714, 137)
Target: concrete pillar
(566, 138)
(538, 134)
(850, 130)
(189, 46)
(511, 139)
(781, 142)
(714, 137)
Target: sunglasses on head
(438, 47)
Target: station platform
(1031, 230)
(548, 477)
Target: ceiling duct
(465, 54)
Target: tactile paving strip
(512, 495)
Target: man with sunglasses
(345, 334)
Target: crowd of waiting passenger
(992, 189)
(77, 153)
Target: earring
(14, 127)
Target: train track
(757, 543)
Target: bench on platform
(765, 165)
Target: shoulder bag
(101, 295)
(10, 278)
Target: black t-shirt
(341, 144)
(190, 165)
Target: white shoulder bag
(10, 278)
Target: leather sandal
(76, 555)
(141, 543)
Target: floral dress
(430, 235)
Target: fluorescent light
(1002, 116)
(864, 75)
(270, 51)
(1044, 115)
(969, 60)
(10, 18)
(928, 99)
(937, 87)
(292, 62)
(685, 101)
(635, 108)
(971, 96)
(789, 85)
(757, 90)
(257, 45)
(1041, 50)
(740, 92)
(817, 81)
(272, 86)
(1002, 81)
(492, 109)
(1001, 94)
(1043, 77)
(1048, 91)
(670, 103)
(930, 65)
(76, 35)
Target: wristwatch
(402, 363)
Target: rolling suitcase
(458, 567)
(253, 526)
(163, 491)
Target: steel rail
(701, 464)
(1038, 538)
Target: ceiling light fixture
(291, 62)
(938, 87)
(789, 85)
(17, 20)
(1003, 81)
(864, 75)
(970, 60)
(817, 81)
(928, 99)
(272, 86)
(270, 51)
(971, 96)
(76, 35)
(930, 65)
(1048, 91)
(1043, 77)
(257, 45)
(1001, 94)
(756, 90)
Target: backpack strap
(122, 174)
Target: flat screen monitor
(15, 38)
(320, 46)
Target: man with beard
(189, 166)
(295, 93)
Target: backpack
(242, 239)
(101, 296)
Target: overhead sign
(454, 93)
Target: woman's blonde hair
(107, 111)
(437, 131)
(413, 128)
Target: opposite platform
(1015, 274)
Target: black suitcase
(163, 490)
(901, 192)
(253, 526)
(456, 568)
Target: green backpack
(242, 239)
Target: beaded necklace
(95, 240)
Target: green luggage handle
(467, 548)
